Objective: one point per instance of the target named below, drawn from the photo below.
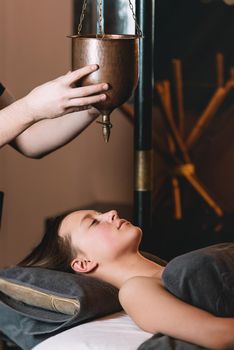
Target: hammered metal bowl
(117, 58)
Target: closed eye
(94, 222)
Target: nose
(111, 215)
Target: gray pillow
(204, 278)
(36, 302)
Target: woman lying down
(106, 247)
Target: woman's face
(100, 236)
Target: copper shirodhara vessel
(117, 58)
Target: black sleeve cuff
(2, 88)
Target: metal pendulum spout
(106, 126)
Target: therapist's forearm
(46, 136)
(14, 119)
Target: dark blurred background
(195, 31)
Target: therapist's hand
(58, 97)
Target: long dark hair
(53, 252)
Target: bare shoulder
(137, 296)
(137, 286)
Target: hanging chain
(100, 5)
(100, 20)
(138, 29)
(82, 16)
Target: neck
(124, 268)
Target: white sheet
(114, 332)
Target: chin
(136, 232)
(132, 233)
(137, 228)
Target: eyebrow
(87, 216)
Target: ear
(83, 265)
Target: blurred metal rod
(100, 16)
(145, 13)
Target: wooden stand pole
(208, 113)
(178, 79)
(163, 90)
(219, 69)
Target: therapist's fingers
(93, 112)
(84, 101)
(88, 90)
(78, 109)
(71, 77)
